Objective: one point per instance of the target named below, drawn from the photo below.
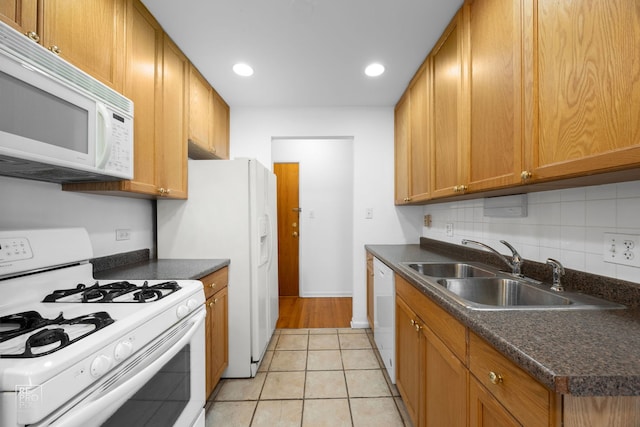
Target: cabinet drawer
(215, 281)
(444, 325)
(525, 398)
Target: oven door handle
(97, 411)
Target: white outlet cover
(621, 249)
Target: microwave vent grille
(26, 51)
(28, 169)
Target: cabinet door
(588, 87)
(20, 14)
(485, 410)
(171, 170)
(408, 375)
(445, 384)
(209, 347)
(420, 144)
(370, 302)
(449, 160)
(199, 110)
(219, 335)
(89, 34)
(219, 126)
(142, 82)
(495, 91)
(402, 138)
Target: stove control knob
(123, 350)
(100, 365)
(182, 311)
(192, 304)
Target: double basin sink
(481, 287)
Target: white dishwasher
(384, 315)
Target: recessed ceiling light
(242, 69)
(374, 70)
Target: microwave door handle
(90, 413)
(103, 135)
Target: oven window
(32, 113)
(159, 402)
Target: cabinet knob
(164, 191)
(495, 378)
(211, 304)
(212, 285)
(456, 188)
(55, 49)
(525, 175)
(463, 188)
(417, 326)
(33, 36)
(294, 234)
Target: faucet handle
(558, 272)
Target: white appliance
(231, 213)
(57, 123)
(384, 313)
(78, 352)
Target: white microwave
(57, 123)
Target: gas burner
(44, 340)
(113, 292)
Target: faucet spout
(558, 272)
(516, 261)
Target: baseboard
(356, 324)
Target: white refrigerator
(231, 213)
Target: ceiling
(306, 53)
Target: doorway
(288, 227)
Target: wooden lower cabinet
(431, 379)
(485, 410)
(216, 326)
(370, 297)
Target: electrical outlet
(369, 213)
(621, 249)
(123, 234)
(449, 229)
(427, 220)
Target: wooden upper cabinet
(88, 34)
(219, 126)
(494, 93)
(402, 141)
(588, 86)
(208, 120)
(171, 170)
(21, 15)
(419, 131)
(449, 162)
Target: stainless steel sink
(499, 293)
(502, 292)
(454, 270)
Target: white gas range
(77, 352)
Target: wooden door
(288, 228)
(420, 143)
(485, 410)
(172, 154)
(408, 373)
(199, 109)
(588, 87)
(219, 335)
(448, 156)
(402, 138)
(495, 93)
(220, 126)
(89, 34)
(20, 14)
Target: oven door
(162, 385)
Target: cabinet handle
(495, 378)
(161, 190)
(55, 49)
(456, 189)
(413, 322)
(417, 326)
(215, 301)
(164, 192)
(33, 36)
(525, 175)
(407, 199)
(212, 285)
(210, 304)
(294, 234)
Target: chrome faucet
(558, 272)
(516, 260)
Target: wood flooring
(296, 312)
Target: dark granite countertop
(113, 268)
(578, 352)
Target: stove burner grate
(31, 321)
(113, 292)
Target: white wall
(252, 130)
(29, 204)
(567, 225)
(326, 194)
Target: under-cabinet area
(519, 95)
(460, 366)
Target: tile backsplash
(567, 225)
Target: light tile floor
(312, 378)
